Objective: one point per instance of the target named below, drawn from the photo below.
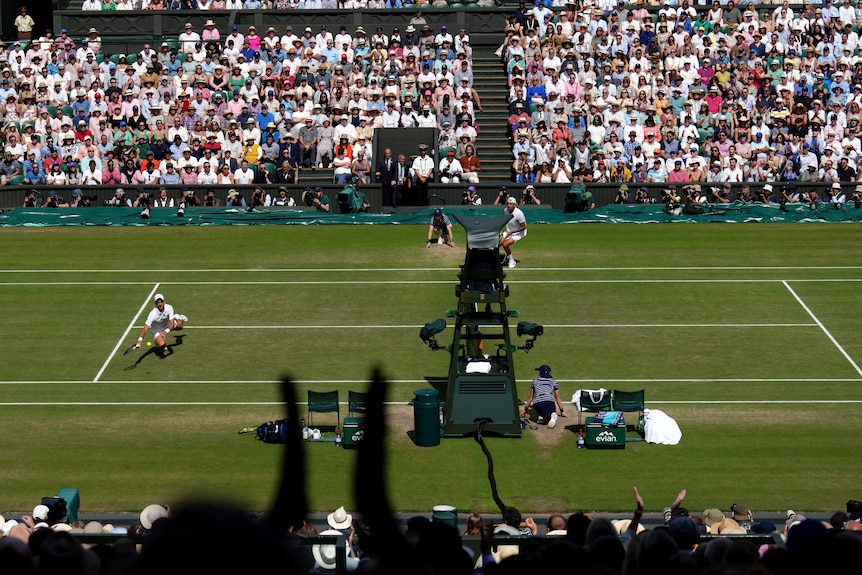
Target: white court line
(125, 333)
(563, 326)
(823, 327)
(74, 283)
(337, 270)
(442, 379)
(163, 403)
(438, 282)
(270, 403)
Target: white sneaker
(552, 421)
(511, 262)
(540, 419)
(182, 318)
(440, 240)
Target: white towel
(660, 428)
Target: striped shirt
(544, 388)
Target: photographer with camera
(696, 202)
(142, 199)
(694, 195)
(530, 197)
(210, 199)
(857, 197)
(471, 198)
(724, 195)
(119, 200)
(188, 199)
(745, 196)
(642, 196)
(622, 196)
(54, 201)
(316, 198)
(234, 199)
(79, 200)
(672, 200)
(502, 196)
(260, 198)
(765, 194)
(836, 196)
(789, 195)
(31, 200)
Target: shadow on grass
(160, 354)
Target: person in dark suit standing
(402, 178)
(387, 176)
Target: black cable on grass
(480, 425)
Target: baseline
(269, 403)
(443, 380)
(336, 270)
(438, 282)
(562, 326)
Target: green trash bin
(426, 418)
(446, 514)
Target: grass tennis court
(747, 335)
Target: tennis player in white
(516, 228)
(161, 320)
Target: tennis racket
(131, 348)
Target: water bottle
(337, 438)
(581, 439)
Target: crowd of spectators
(230, 107)
(686, 92)
(98, 5)
(579, 543)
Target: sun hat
(712, 516)
(325, 555)
(153, 513)
(339, 519)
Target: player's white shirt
(516, 221)
(160, 320)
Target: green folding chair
(323, 402)
(594, 401)
(629, 402)
(356, 401)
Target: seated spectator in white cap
(450, 169)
